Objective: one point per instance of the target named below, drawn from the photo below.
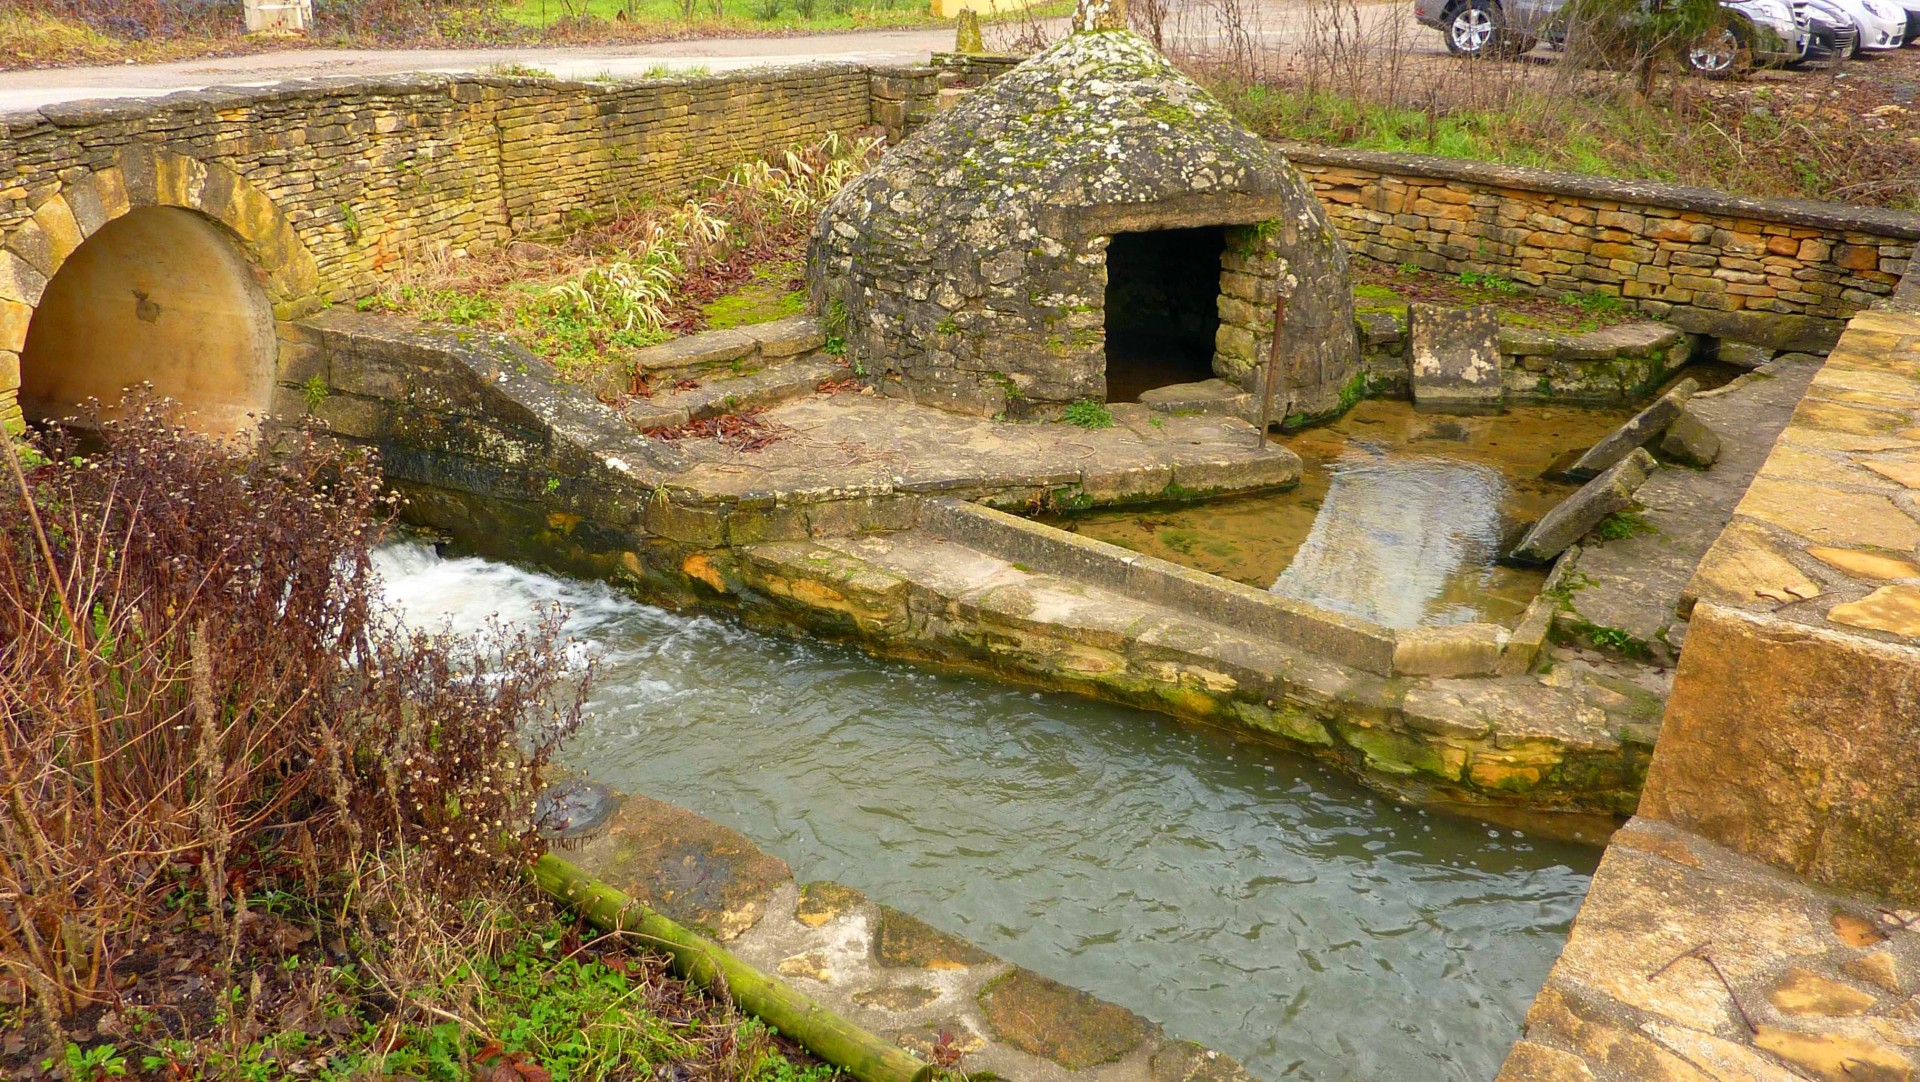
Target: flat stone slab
(1817, 985)
(1567, 523)
(695, 351)
(1638, 431)
(1456, 358)
(1635, 584)
(787, 337)
(779, 382)
(895, 975)
(852, 442)
(694, 870)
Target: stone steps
(780, 381)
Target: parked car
(1767, 31)
(1881, 24)
(1830, 39)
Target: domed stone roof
(969, 268)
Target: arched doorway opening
(162, 296)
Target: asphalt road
(1272, 23)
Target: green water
(1239, 896)
(1400, 517)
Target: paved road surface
(1279, 22)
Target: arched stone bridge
(177, 241)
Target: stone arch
(232, 257)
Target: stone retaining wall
(328, 184)
(1778, 273)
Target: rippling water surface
(1240, 896)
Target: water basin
(1399, 516)
(1239, 896)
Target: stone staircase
(714, 373)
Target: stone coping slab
(888, 972)
(1807, 212)
(1690, 962)
(1837, 498)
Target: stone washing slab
(1579, 513)
(1571, 739)
(1634, 585)
(1692, 963)
(1455, 357)
(1638, 431)
(884, 970)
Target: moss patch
(762, 298)
(905, 941)
(1050, 1020)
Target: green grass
(1623, 524)
(1088, 414)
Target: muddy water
(1399, 517)
(1239, 896)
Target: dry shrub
(201, 698)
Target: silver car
(1768, 31)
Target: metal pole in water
(1273, 368)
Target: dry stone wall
(349, 177)
(1778, 273)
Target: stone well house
(1086, 227)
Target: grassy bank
(252, 827)
(1848, 136)
(588, 296)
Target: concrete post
(294, 15)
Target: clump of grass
(33, 39)
(1088, 414)
(1623, 524)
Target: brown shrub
(201, 697)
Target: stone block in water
(1641, 429)
(1456, 358)
(1610, 492)
(1690, 441)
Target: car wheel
(1720, 55)
(1474, 29)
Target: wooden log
(709, 965)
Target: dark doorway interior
(1161, 315)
